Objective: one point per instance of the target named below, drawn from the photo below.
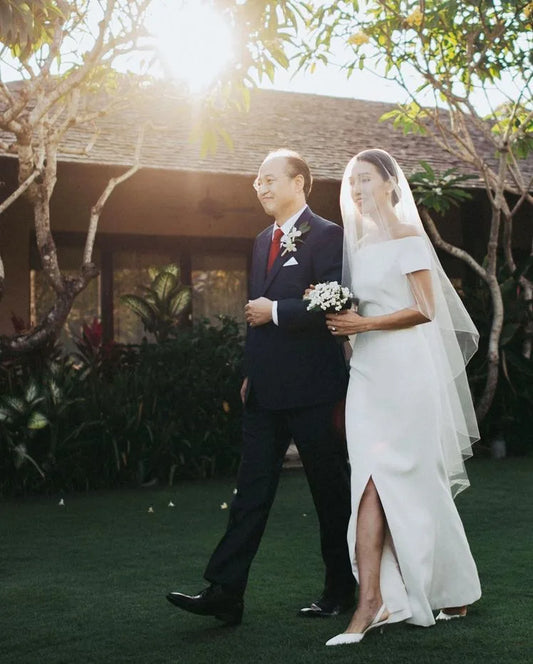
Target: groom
(295, 375)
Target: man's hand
(258, 312)
(244, 387)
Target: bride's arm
(350, 322)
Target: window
(86, 306)
(219, 286)
(218, 275)
(130, 273)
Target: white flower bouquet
(329, 297)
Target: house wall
(183, 214)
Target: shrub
(129, 414)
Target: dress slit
(389, 558)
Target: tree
(64, 53)
(36, 112)
(23, 25)
(457, 50)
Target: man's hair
(296, 165)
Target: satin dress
(394, 425)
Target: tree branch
(97, 208)
(451, 249)
(20, 190)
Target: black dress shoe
(326, 607)
(213, 601)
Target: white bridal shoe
(449, 616)
(356, 637)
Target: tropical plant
(439, 191)
(164, 306)
(148, 413)
(21, 416)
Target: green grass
(86, 583)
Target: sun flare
(192, 39)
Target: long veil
(450, 335)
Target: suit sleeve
(327, 266)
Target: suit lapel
(276, 266)
(261, 259)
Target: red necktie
(274, 247)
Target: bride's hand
(346, 322)
(308, 291)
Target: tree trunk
(44, 334)
(493, 352)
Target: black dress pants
(266, 436)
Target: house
(201, 212)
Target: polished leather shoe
(213, 601)
(327, 607)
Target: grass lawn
(86, 583)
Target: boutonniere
(289, 240)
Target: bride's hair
(383, 162)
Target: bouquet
(329, 297)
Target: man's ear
(300, 182)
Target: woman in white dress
(410, 420)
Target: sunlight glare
(193, 42)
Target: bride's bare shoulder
(405, 230)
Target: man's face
(276, 190)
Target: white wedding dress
(394, 427)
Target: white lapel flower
(289, 240)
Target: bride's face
(370, 192)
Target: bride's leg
(370, 537)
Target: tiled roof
(327, 131)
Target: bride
(409, 415)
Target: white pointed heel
(449, 616)
(357, 637)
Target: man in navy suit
(295, 376)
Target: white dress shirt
(286, 228)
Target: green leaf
(15, 404)
(5, 414)
(153, 272)
(32, 391)
(36, 421)
(173, 268)
(180, 301)
(55, 391)
(138, 306)
(164, 284)
(508, 332)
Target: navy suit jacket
(297, 363)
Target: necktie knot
(274, 247)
